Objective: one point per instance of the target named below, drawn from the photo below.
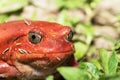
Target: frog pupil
(33, 36)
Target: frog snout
(56, 46)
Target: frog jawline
(30, 72)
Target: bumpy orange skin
(22, 59)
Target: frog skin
(32, 50)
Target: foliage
(72, 4)
(11, 5)
(50, 77)
(88, 71)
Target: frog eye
(34, 37)
(69, 36)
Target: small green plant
(89, 71)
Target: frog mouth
(44, 61)
(29, 57)
(40, 68)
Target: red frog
(33, 49)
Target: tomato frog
(31, 50)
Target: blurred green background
(96, 25)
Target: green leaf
(104, 60)
(117, 46)
(87, 30)
(66, 19)
(112, 64)
(90, 68)
(115, 76)
(3, 18)
(11, 5)
(71, 4)
(50, 77)
(80, 50)
(71, 73)
(96, 63)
